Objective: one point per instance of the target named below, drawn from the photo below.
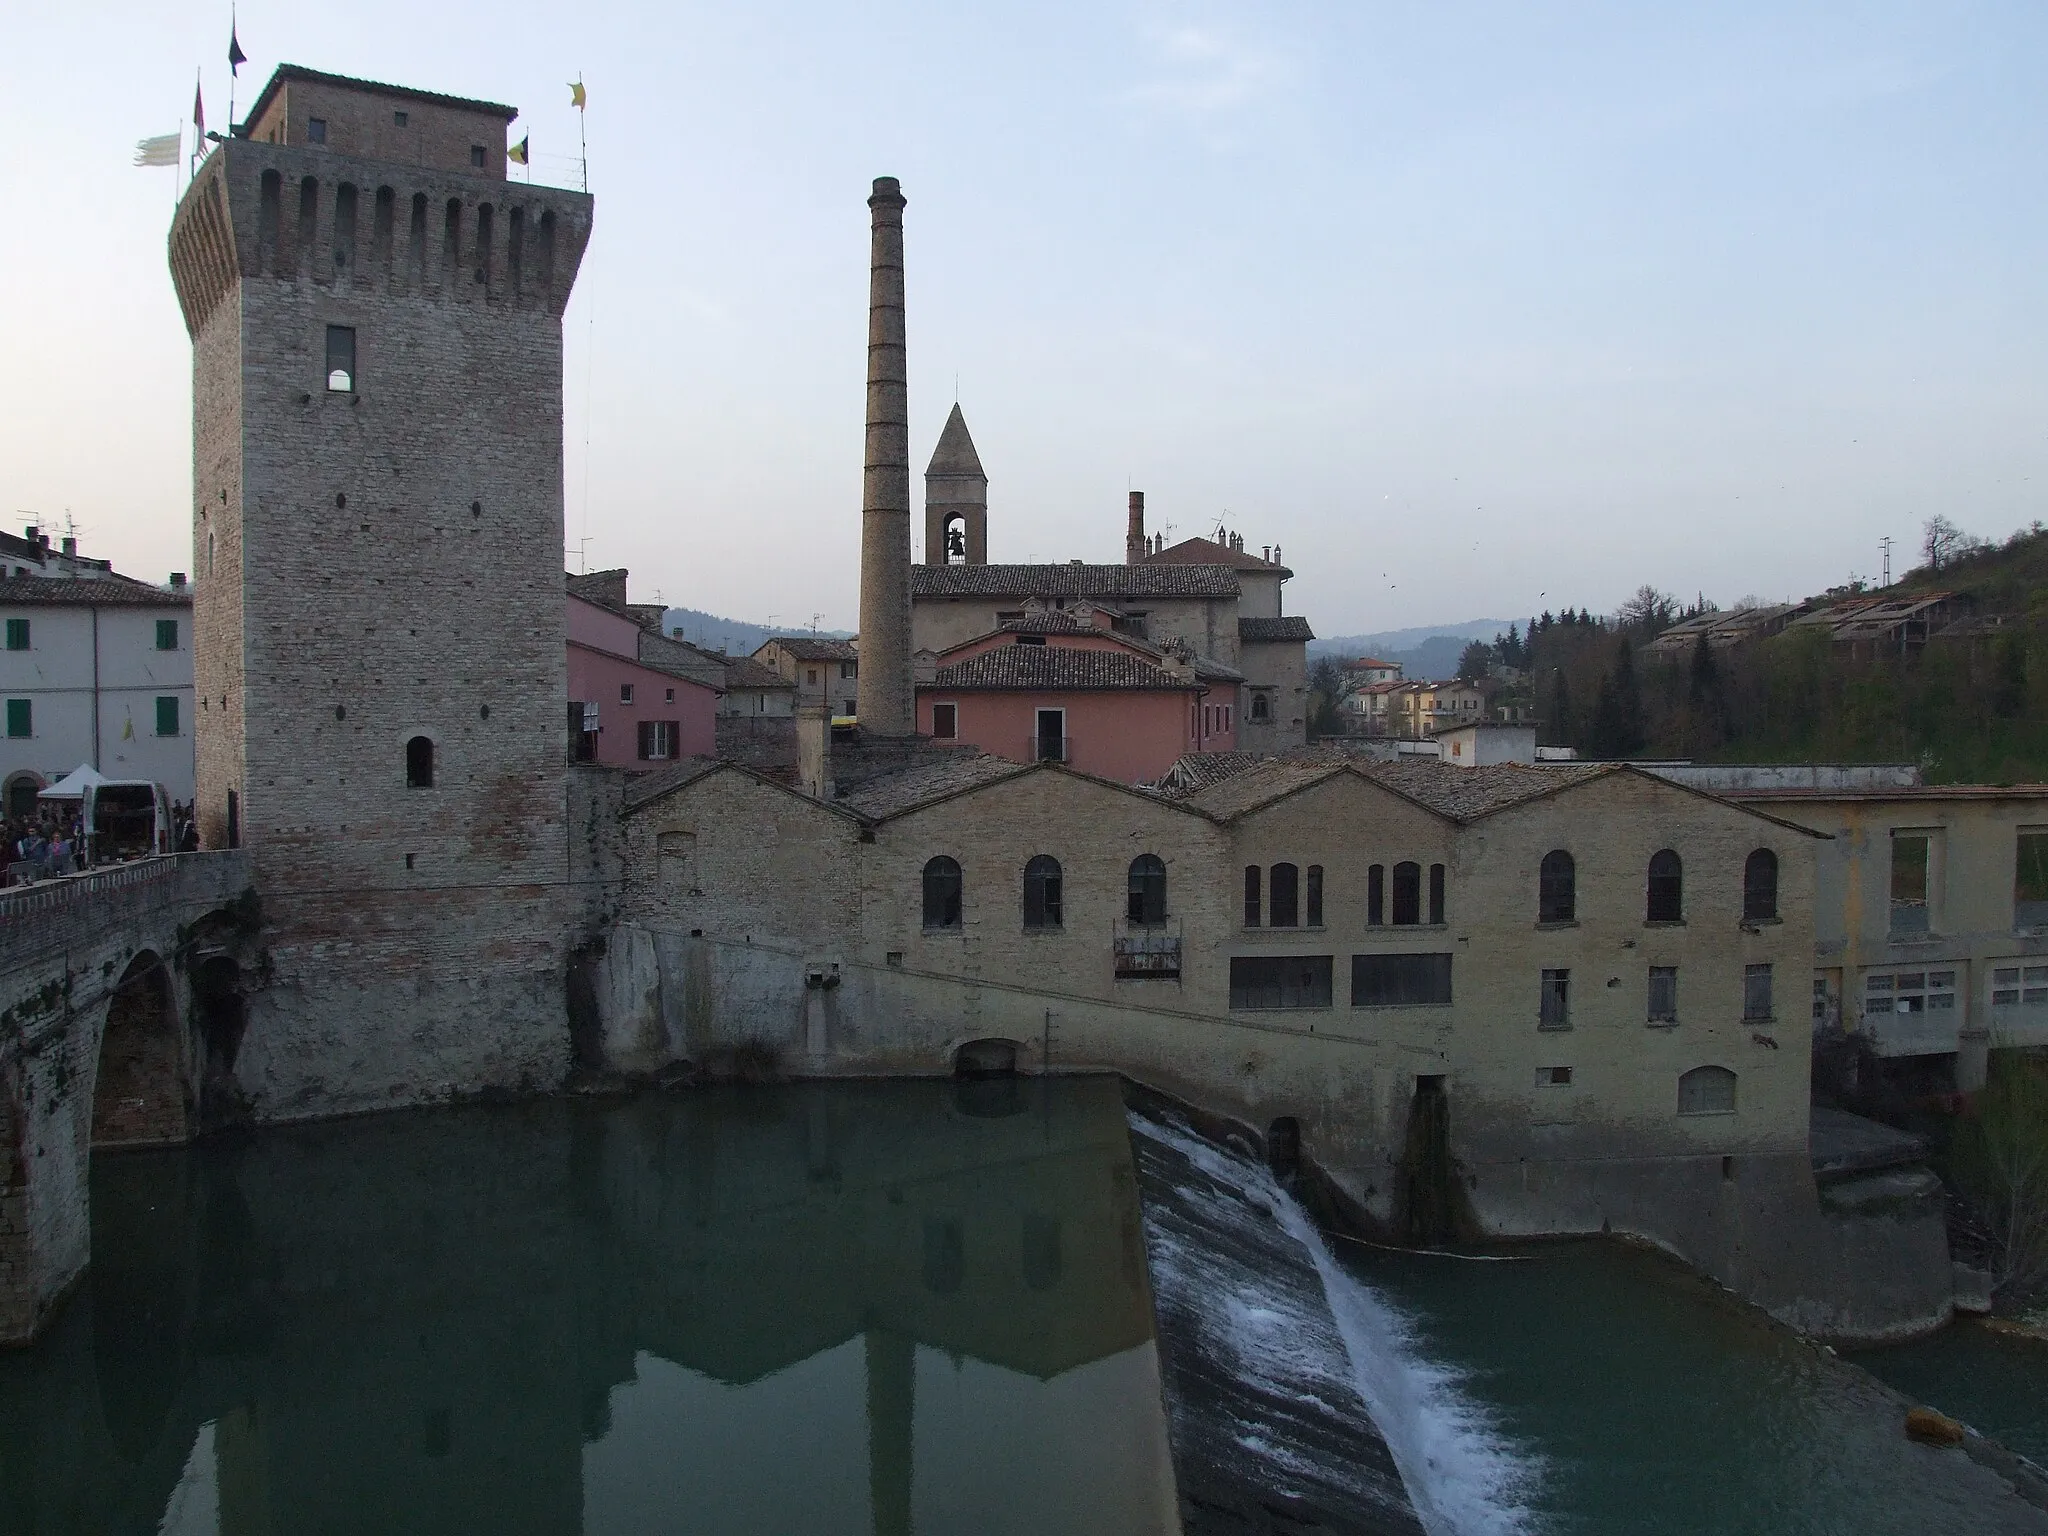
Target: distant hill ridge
(735, 637)
(1428, 652)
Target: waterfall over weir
(1296, 1397)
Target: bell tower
(375, 314)
(955, 499)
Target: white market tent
(74, 784)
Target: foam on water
(1463, 1475)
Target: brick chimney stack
(1135, 545)
(885, 695)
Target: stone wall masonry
(809, 940)
(63, 949)
(364, 123)
(377, 564)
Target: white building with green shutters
(94, 668)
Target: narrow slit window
(1665, 902)
(942, 894)
(1557, 899)
(1756, 994)
(341, 359)
(419, 763)
(1407, 894)
(1251, 896)
(2030, 879)
(1663, 994)
(1760, 887)
(1376, 896)
(1312, 896)
(1554, 1010)
(1436, 893)
(1283, 887)
(1043, 906)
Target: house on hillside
(824, 671)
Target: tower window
(419, 763)
(341, 358)
(398, 119)
(476, 156)
(316, 130)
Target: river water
(851, 1308)
(879, 1308)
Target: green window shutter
(167, 634)
(21, 717)
(167, 715)
(17, 634)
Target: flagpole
(582, 137)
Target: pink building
(1103, 703)
(622, 712)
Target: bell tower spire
(955, 499)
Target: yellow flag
(575, 93)
(517, 153)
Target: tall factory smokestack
(1135, 547)
(884, 693)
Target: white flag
(161, 150)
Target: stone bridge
(120, 1016)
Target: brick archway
(139, 1097)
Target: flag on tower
(198, 112)
(576, 93)
(518, 152)
(161, 150)
(236, 58)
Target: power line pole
(1885, 544)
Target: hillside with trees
(1971, 704)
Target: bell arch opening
(138, 1096)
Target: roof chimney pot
(177, 581)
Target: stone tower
(375, 314)
(955, 498)
(885, 696)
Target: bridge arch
(139, 1096)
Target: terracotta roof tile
(812, 647)
(106, 591)
(894, 793)
(1074, 580)
(1291, 627)
(1209, 552)
(1062, 668)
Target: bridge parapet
(54, 916)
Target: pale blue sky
(1473, 307)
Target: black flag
(236, 58)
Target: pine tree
(1708, 710)
(1562, 728)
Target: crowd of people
(51, 841)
